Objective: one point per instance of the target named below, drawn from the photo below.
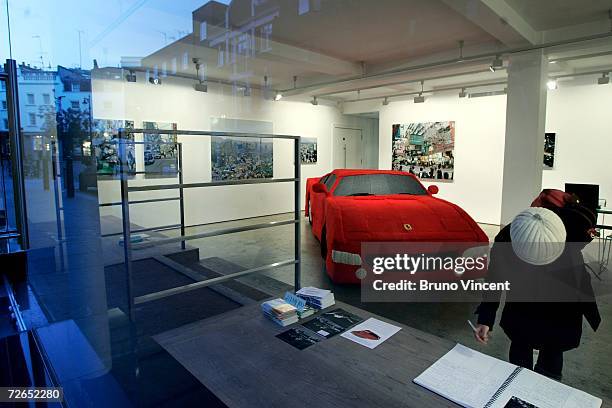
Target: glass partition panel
(126, 108)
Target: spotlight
(462, 93)
(496, 64)
(605, 79)
(385, 101)
(201, 87)
(130, 76)
(155, 80)
(314, 101)
(551, 84)
(278, 96)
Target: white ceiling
(343, 46)
(376, 31)
(552, 14)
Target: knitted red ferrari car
(348, 207)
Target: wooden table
(237, 357)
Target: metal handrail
(209, 234)
(210, 184)
(125, 211)
(154, 229)
(206, 133)
(152, 200)
(202, 284)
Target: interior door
(347, 148)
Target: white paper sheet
(466, 376)
(377, 331)
(544, 392)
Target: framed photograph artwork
(550, 140)
(425, 149)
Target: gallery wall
(580, 117)
(479, 146)
(578, 112)
(176, 101)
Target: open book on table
(476, 380)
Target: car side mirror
(320, 188)
(433, 189)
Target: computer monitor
(588, 194)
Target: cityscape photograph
(235, 158)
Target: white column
(524, 143)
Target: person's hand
(482, 334)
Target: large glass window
(429, 87)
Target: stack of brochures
(280, 312)
(316, 298)
(308, 311)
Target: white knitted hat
(538, 236)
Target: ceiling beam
(309, 59)
(578, 30)
(498, 19)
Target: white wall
(580, 116)
(479, 146)
(579, 113)
(176, 101)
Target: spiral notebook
(475, 380)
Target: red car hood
(404, 218)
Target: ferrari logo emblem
(408, 227)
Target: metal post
(57, 191)
(14, 128)
(125, 216)
(297, 214)
(181, 196)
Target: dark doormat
(147, 373)
(150, 276)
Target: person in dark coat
(546, 303)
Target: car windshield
(378, 184)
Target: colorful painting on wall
(425, 149)
(308, 150)
(237, 158)
(105, 139)
(160, 151)
(549, 150)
